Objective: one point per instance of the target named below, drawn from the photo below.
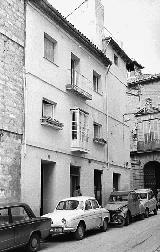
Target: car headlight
(64, 221)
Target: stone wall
(11, 97)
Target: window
(88, 205)
(96, 82)
(48, 108)
(4, 216)
(49, 47)
(115, 59)
(95, 204)
(97, 130)
(74, 69)
(19, 214)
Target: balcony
(80, 144)
(149, 146)
(50, 122)
(99, 141)
(79, 85)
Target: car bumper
(61, 230)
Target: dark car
(20, 227)
(123, 206)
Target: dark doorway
(116, 181)
(74, 178)
(47, 187)
(98, 185)
(152, 176)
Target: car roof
(79, 198)
(143, 190)
(12, 204)
(117, 193)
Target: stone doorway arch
(152, 176)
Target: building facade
(144, 113)
(11, 98)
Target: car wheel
(34, 243)
(105, 225)
(121, 221)
(142, 216)
(127, 220)
(155, 211)
(146, 213)
(79, 234)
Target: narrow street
(139, 236)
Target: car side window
(4, 216)
(95, 204)
(149, 195)
(88, 205)
(19, 214)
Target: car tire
(79, 234)
(121, 221)
(34, 243)
(127, 219)
(155, 211)
(146, 213)
(105, 225)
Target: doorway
(47, 187)
(152, 176)
(98, 185)
(74, 178)
(116, 181)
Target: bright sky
(134, 22)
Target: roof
(118, 49)
(117, 193)
(57, 17)
(144, 79)
(78, 198)
(143, 190)
(12, 204)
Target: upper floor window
(96, 82)
(49, 47)
(97, 130)
(48, 108)
(115, 59)
(74, 69)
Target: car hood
(112, 206)
(58, 215)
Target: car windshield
(114, 198)
(142, 195)
(67, 205)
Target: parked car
(148, 200)
(123, 206)
(77, 215)
(20, 227)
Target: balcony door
(74, 70)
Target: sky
(136, 23)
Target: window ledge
(48, 121)
(51, 61)
(99, 141)
(99, 93)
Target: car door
(131, 204)
(6, 230)
(88, 215)
(97, 213)
(22, 224)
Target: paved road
(139, 236)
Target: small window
(95, 204)
(96, 82)
(97, 130)
(115, 59)
(49, 47)
(48, 108)
(4, 216)
(88, 205)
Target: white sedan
(77, 215)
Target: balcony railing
(48, 121)
(149, 146)
(79, 85)
(81, 143)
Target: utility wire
(76, 8)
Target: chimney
(89, 19)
